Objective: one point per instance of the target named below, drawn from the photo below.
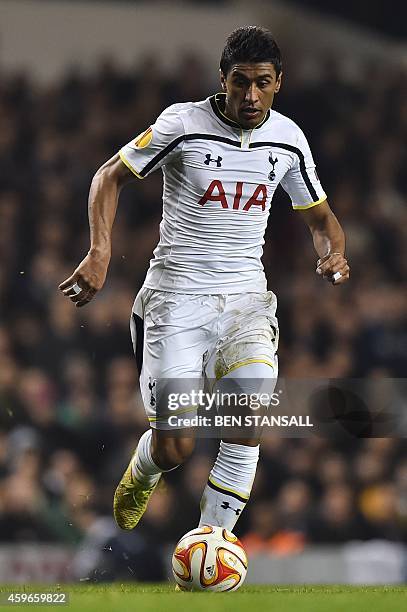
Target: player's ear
(278, 83)
(222, 80)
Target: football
(209, 558)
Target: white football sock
(229, 485)
(143, 467)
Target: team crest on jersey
(144, 139)
(272, 174)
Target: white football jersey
(219, 181)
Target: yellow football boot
(131, 499)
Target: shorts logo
(144, 139)
(272, 174)
(151, 385)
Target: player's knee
(167, 453)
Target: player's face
(250, 90)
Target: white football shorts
(194, 341)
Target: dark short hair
(250, 44)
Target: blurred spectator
(266, 535)
(337, 519)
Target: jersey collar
(218, 106)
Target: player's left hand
(334, 268)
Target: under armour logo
(151, 386)
(272, 174)
(209, 159)
(226, 506)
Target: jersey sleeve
(301, 181)
(157, 146)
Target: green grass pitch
(131, 597)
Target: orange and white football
(209, 558)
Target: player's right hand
(331, 264)
(88, 278)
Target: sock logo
(151, 386)
(226, 506)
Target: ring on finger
(76, 288)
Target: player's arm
(329, 242)
(104, 193)
(155, 147)
(302, 184)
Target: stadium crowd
(70, 412)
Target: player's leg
(231, 478)
(168, 450)
(248, 365)
(230, 483)
(155, 454)
(162, 348)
